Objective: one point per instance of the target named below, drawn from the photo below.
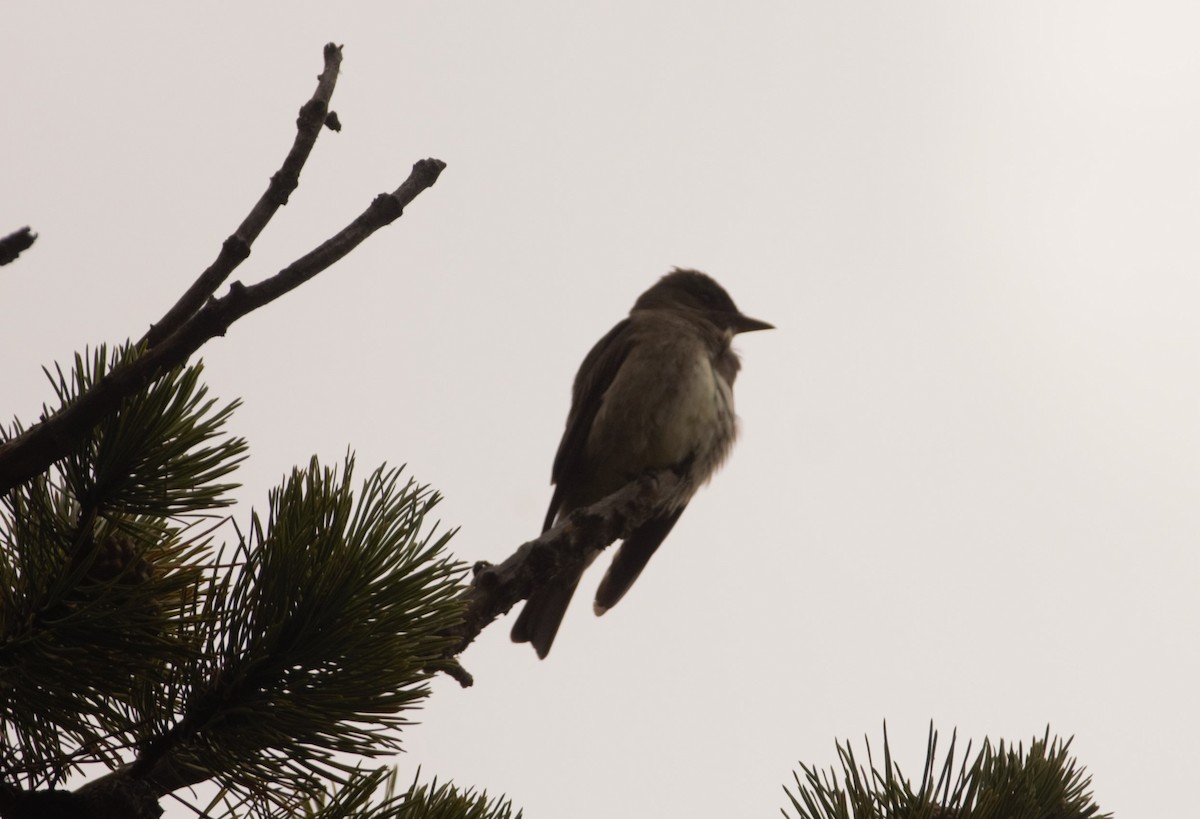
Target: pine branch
(153, 454)
(444, 802)
(357, 800)
(317, 645)
(99, 569)
(267, 638)
(1044, 783)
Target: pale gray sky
(966, 488)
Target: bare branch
(15, 243)
(559, 551)
(196, 317)
(236, 248)
(44, 443)
(383, 210)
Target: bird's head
(697, 292)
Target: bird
(656, 392)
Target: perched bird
(656, 392)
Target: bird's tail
(543, 613)
(631, 558)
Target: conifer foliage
(141, 630)
(1000, 783)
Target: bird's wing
(595, 376)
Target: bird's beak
(745, 324)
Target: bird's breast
(698, 422)
(668, 405)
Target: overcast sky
(966, 486)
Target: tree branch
(15, 243)
(236, 248)
(41, 445)
(559, 551)
(494, 590)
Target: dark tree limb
(118, 798)
(15, 243)
(236, 248)
(559, 551)
(38, 447)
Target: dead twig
(198, 317)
